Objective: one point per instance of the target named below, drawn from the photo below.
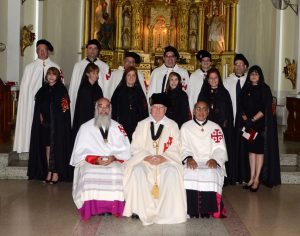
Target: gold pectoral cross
(155, 188)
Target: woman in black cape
(178, 110)
(256, 117)
(89, 93)
(50, 143)
(129, 103)
(220, 112)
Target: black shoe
(205, 215)
(194, 216)
(135, 216)
(247, 186)
(254, 190)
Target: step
(289, 160)
(290, 174)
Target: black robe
(129, 106)
(53, 103)
(179, 109)
(270, 174)
(87, 97)
(221, 112)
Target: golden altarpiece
(147, 26)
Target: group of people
(156, 155)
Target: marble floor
(33, 208)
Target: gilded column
(137, 22)
(87, 21)
(227, 27)
(232, 43)
(183, 22)
(118, 17)
(201, 21)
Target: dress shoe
(205, 215)
(254, 189)
(135, 216)
(247, 186)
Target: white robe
(78, 70)
(194, 88)
(31, 82)
(230, 85)
(158, 74)
(202, 146)
(115, 78)
(96, 182)
(140, 177)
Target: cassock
(112, 83)
(161, 74)
(231, 85)
(98, 189)
(78, 70)
(32, 81)
(203, 141)
(140, 176)
(195, 85)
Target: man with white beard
(100, 148)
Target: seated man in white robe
(204, 154)
(100, 148)
(153, 180)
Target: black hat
(94, 42)
(172, 49)
(241, 57)
(203, 53)
(45, 42)
(159, 98)
(134, 55)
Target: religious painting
(104, 25)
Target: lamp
(283, 4)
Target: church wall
(62, 27)
(256, 35)
(28, 10)
(3, 38)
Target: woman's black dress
(178, 110)
(221, 112)
(52, 102)
(254, 99)
(129, 106)
(88, 95)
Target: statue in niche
(216, 31)
(193, 41)
(126, 19)
(105, 34)
(126, 40)
(193, 21)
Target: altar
(147, 26)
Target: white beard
(102, 121)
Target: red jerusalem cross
(216, 135)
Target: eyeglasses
(198, 109)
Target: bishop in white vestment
(100, 148)
(153, 181)
(160, 75)
(32, 80)
(93, 47)
(204, 155)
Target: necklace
(104, 134)
(201, 125)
